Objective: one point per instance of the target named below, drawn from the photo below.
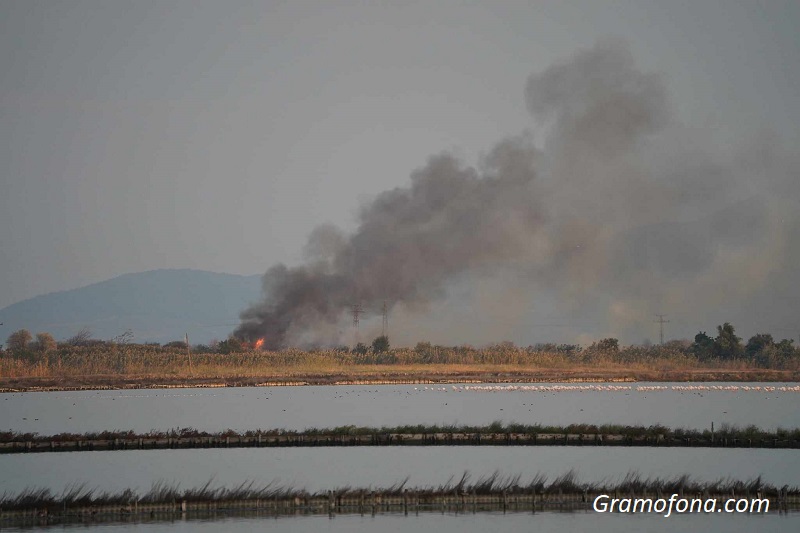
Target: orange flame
(259, 343)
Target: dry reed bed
(386, 375)
(132, 360)
(80, 497)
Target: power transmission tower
(188, 353)
(385, 312)
(357, 310)
(661, 323)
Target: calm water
(326, 468)
(303, 407)
(449, 523)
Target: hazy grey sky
(217, 135)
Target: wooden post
(785, 498)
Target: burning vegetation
(613, 214)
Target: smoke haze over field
(618, 213)
(487, 168)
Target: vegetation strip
(493, 434)
(491, 493)
(85, 363)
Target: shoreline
(400, 377)
(491, 494)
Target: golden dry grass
(110, 363)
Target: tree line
(760, 350)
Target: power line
(357, 310)
(385, 312)
(661, 323)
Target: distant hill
(158, 306)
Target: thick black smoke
(409, 242)
(622, 212)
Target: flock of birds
(730, 388)
(612, 388)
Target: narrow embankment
(491, 494)
(496, 434)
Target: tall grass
(134, 360)
(568, 483)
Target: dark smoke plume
(622, 212)
(408, 243)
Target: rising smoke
(622, 213)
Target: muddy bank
(770, 441)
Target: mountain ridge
(157, 305)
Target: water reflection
(467, 523)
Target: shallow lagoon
(389, 405)
(326, 468)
